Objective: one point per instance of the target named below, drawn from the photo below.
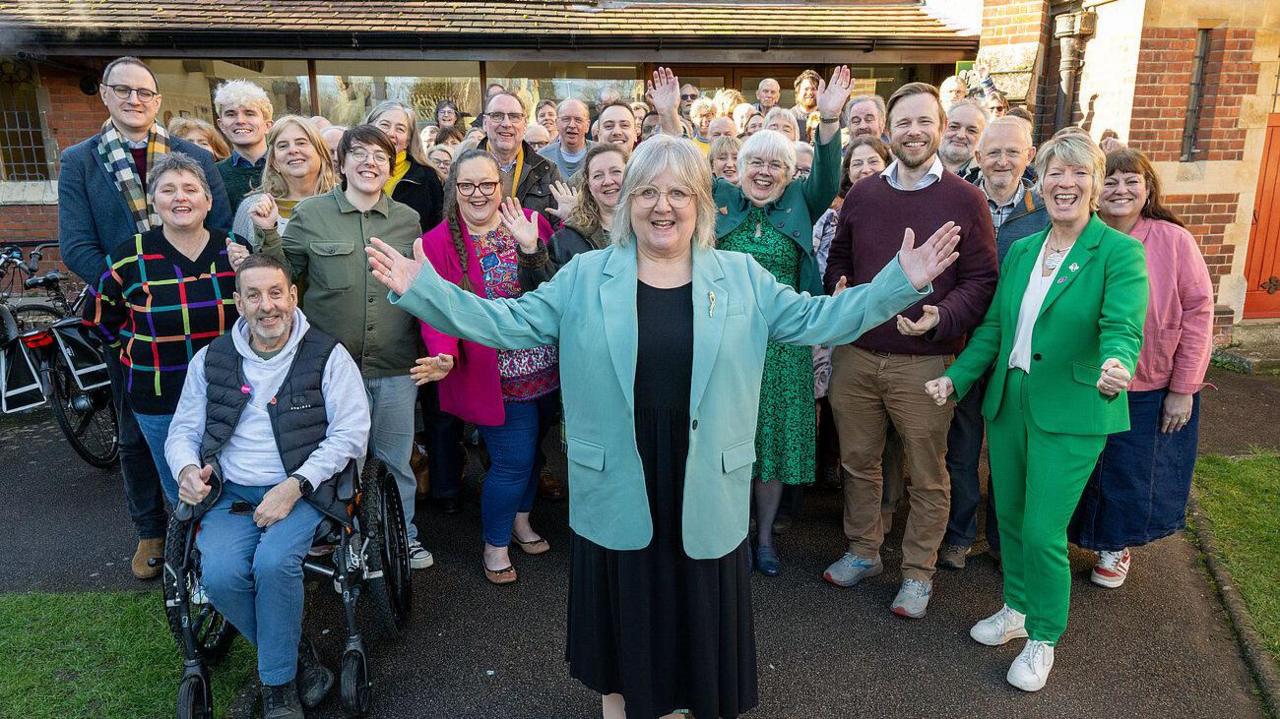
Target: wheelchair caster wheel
(195, 698)
(354, 680)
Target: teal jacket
(794, 213)
(589, 310)
(1094, 311)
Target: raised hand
(524, 229)
(431, 369)
(265, 213)
(922, 264)
(664, 88)
(940, 389)
(832, 95)
(927, 321)
(236, 253)
(1114, 378)
(193, 483)
(566, 200)
(395, 271)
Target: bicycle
(47, 355)
(32, 314)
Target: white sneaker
(1030, 670)
(419, 557)
(1112, 569)
(1000, 628)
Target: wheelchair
(369, 565)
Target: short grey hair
(1017, 123)
(176, 162)
(1073, 149)
(986, 116)
(680, 157)
(768, 145)
(569, 101)
(873, 99)
(785, 114)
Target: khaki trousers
(868, 391)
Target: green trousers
(1039, 479)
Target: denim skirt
(1138, 492)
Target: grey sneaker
(912, 599)
(952, 556)
(850, 569)
(419, 557)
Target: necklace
(1053, 258)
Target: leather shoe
(450, 505)
(148, 558)
(315, 680)
(550, 486)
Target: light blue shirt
(933, 175)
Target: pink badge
(245, 389)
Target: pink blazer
(472, 391)
(1178, 333)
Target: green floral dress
(786, 432)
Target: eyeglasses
(361, 155)
(774, 165)
(1007, 154)
(468, 189)
(124, 91)
(647, 197)
(693, 96)
(500, 116)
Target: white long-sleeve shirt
(250, 457)
(1032, 301)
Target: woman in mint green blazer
(662, 344)
(1061, 341)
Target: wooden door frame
(1261, 258)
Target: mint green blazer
(589, 310)
(1094, 310)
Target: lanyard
(515, 178)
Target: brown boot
(550, 486)
(148, 560)
(421, 470)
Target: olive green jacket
(323, 245)
(1094, 311)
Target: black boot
(281, 702)
(314, 679)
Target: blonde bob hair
(680, 157)
(414, 147)
(768, 145)
(273, 183)
(1073, 149)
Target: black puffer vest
(298, 418)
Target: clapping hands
(431, 369)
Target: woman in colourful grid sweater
(166, 293)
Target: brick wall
(1161, 92)
(1207, 217)
(1008, 22)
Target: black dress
(666, 631)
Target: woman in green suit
(662, 346)
(1061, 341)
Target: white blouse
(1032, 301)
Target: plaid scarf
(118, 162)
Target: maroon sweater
(869, 235)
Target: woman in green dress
(771, 218)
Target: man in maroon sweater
(880, 378)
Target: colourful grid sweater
(159, 307)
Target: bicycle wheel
(88, 419)
(35, 316)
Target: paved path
(1158, 647)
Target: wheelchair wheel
(211, 632)
(354, 683)
(195, 698)
(382, 524)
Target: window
(23, 156)
(186, 86)
(1195, 102)
(534, 82)
(348, 89)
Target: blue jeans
(155, 427)
(964, 451)
(142, 492)
(254, 575)
(511, 484)
(391, 407)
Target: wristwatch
(303, 485)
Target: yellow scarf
(397, 172)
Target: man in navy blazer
(94, 217)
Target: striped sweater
(158, 308)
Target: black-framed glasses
(693, 96)
(124, 91)
(500, 116)
(468, 189)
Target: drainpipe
(1071, 30)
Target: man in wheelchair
(271, 376)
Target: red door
(1262, 270)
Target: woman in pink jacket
(485, 244)
(1138, 493)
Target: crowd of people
(719, 301)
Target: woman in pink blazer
(1138, 493)
(485, 244)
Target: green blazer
(1094, 311)
(588, 309)
(794, 213)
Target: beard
(900, 153)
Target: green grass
(99, 655)
(1242, 499)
